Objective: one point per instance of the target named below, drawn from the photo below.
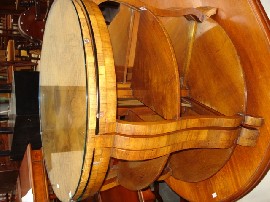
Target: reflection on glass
(63, 98)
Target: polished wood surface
(224, 92)
(136, 175)
(152, 82)
(251, 31)
(120, 41)
(209, 68)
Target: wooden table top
(63, 99)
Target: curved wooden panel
(248, 29)
(158, 77)
(137, 175)
(119, 35)
(215, 76)
(155, 80)
(215, 79)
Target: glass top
(63, 98)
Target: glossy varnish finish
(156, 84)
(152, 82)
(247, 26)
(215, 79)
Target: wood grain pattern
(11, 50)
(119, 35)
(124, 91)
(137, 175)
(246, 26)
(224, 92)
(92, 103)
(165, 143)
(155, 77)
(63, 142)
(212, 56)
(32, 175)
(167, 126)
(107, 93)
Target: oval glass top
(63, 98)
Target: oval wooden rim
(264, 22)
(92, 178)
(88, 154)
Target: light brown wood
(155, 77)
(131, 44)
(107, 95)
(119, 35)
(148, 147)
(129, 172)
(167, 126)
(244, 33)
(225, 92)
(137, 175)
(140, 174)
(155, 83)
(124, 90)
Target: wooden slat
(167, 126)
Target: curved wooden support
(253, 121)
(140, 174)
(196, 139)
(140, 148)
(248, 137)
(151, 143)
(167, 126)
(136, 175)
(250, 130)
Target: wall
(260, 193)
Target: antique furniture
(173, 91)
